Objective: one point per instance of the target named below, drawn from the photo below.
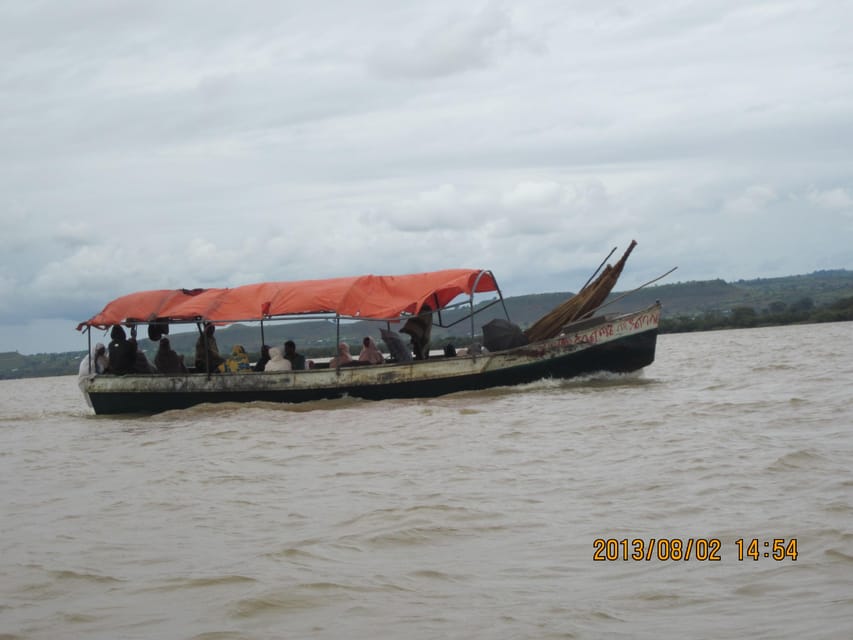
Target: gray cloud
(162, 145)
(451, 43)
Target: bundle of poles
(583, 304)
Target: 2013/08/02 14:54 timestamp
(701, 549)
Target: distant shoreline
(822, 296)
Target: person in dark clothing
(262, 361)
(167, 360)
(297, 360)
(419, 327)
(122, 352)
(140, 360)
(207, 356)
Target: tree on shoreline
(744, 317)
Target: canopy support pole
(337, 342)
(206, 348)
(89, 341)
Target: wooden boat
(575, 342)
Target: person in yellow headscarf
(239, 360)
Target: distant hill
(15, 365)
(316, 338)
(691, 298)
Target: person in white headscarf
(370, 353)
(277, 361)
(98, 359)
(94, 363)
(342, 358)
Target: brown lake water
(468, 516)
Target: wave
(801, 459)
(179, 584)
(68, 574)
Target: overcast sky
(156, 144)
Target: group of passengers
(370, 354)
(124, 356)
(274, 359)
(208, 358)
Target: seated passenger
(370, 353)
(342, 358)
(277, 361)
(474, 349)
(207, 356)
(140, 360)
(239, 360)
(122, 352)
(98, 359)
(167, 359)
(265, 357)
(92, 364)
(297, 360)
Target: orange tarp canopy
(370, 297)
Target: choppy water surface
(467, 516)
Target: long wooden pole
(595, 273)
(628, 293)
